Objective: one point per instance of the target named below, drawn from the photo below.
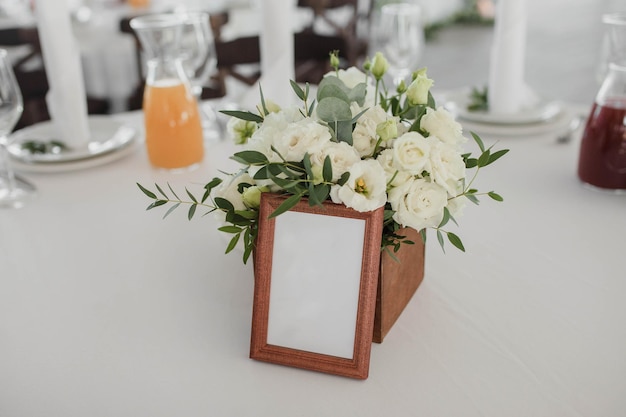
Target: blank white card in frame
(315, 283)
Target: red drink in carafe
(602, 161)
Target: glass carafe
(614, 42)
(602, 161)
(172, 120)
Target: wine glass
(197, 49)
(14, 191)
(400, 37)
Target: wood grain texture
(358, 365)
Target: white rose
(301, 137)
(397, 177)
(412, 153)
(365, 190)
(272, 127)
(441, 123)
(418, 203)
(447, 166)
(342, 157)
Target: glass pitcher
(602, 161)
(613, 48)
(172, 119)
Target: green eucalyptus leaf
(157, 203)
(171, 209)
(495, 196)
(332, 109)
(344, 178)
(233, 243)
(483, 159)
(306, 160)
(298, 90)
(250, 158)
(287, 205)
(472, 198)
(172, 190)
(471, 162)
(456, 241)
(243, 115)
(286, 184)
(262, 173)
(478, 141)
(321, 192)
(327, 170)
(440, 239)
(332, 87)
(358, 94)
(192, 211)
(161, 191)
(230, 229)
(496, 155)
(191, 196)
(223, 204)
(212, 184)
(313, 199)
(247, 214)
(343, 130)
(146, 191)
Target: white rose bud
(252, 196)
(417, 92)
(387, 130)
(379, 65)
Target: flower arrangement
(356, 143)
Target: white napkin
(66, 97)
(507, 91)
(277, 53)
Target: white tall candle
(506, 91)
(277, 49)
(66, 98)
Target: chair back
(31, 76)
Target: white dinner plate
(541, 111)
(110, 140)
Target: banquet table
(109, 310)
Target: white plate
(553, 126)
(542, 111)
(107, 135)
(110, 140)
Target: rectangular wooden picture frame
(316, 271)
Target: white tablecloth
(108, 310)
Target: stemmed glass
(14, 191)
(400, 37)
(197, 48)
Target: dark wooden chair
(311, 49)
(349, 37)
(32, 79)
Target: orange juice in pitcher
(173, 125)
(172, 120)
